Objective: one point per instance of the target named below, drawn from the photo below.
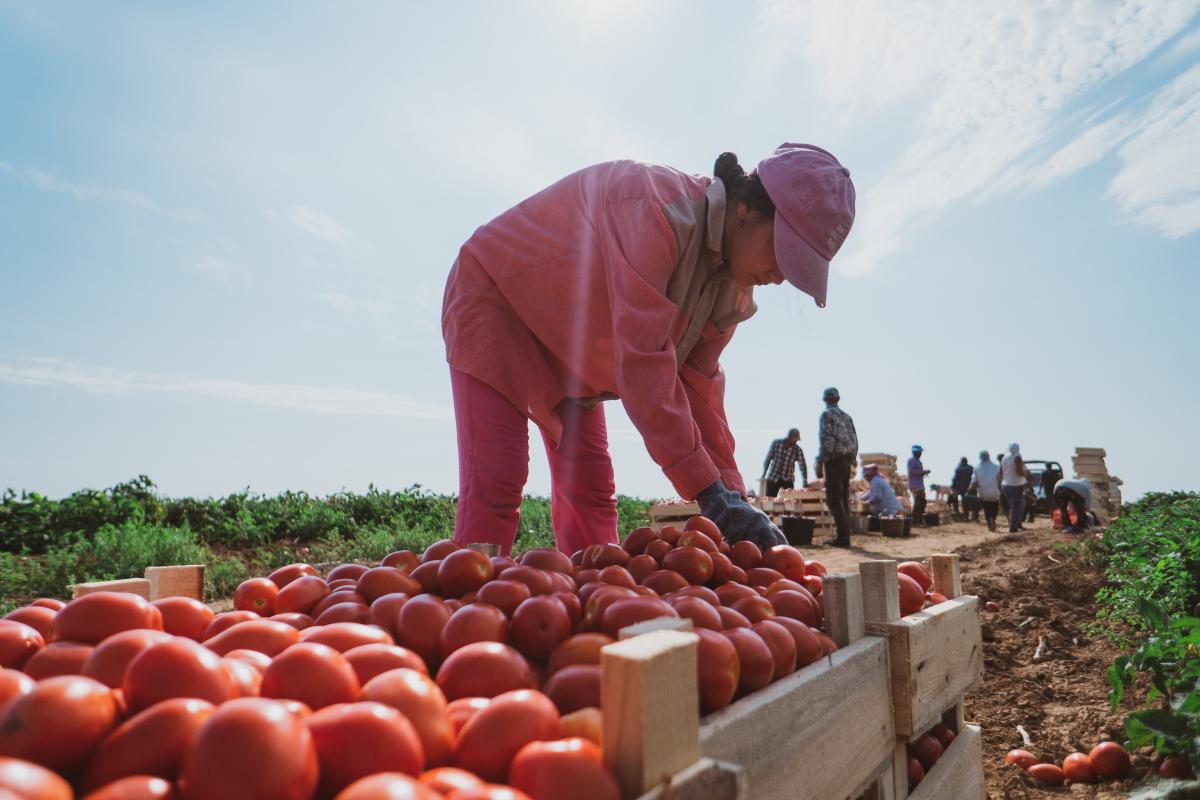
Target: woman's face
(750, 248)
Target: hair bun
(728, 170)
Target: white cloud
(316, 399)
(48, 182)
(1180, 49)
(1159, 179)
(990, 84)
(318, 223)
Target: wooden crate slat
(782, 736)
(138, 586)
(179, 581)
(704, 780)
(958, 774)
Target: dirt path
(1043, 592)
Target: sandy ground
(923, 543)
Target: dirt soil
(1062, 700)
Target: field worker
(1073, 494)
(916, 484)
(835, 463)
(960, 483)
(879, 498)
(783, 456)
(986, 484)
(1013, 477)
(625, 280)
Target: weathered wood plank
(880, 592)
(179, 581)
(138, 586)
(704, 780)
(958, 774)
(946, 577)
(783, 737)
(651, 705)
(682, 624)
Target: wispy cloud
(1180, 49)
(49, 182)
(990, 83)
(317, 223)
(317, 399)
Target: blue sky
(225, 227)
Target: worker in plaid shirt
(779, 469)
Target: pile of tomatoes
(925, 750)
(1106, 761)
(448, 674)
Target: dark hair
(748, 189)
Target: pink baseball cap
(814, 209)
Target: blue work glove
(737, 519)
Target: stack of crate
(1106, 489)
(809, 503)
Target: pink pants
(493, 465)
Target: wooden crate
(823, 733)
(936, 657)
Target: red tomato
(354, 740)
(369, 660)
(484, 669)
(27, 781)
(732, 619)
(59, 723)
(1078, 767)
(18, 642)
(808, 646)
(58, 658)
(641, 566)
(184, 616)
(136, 787)
(439, 550)
(745, 554)
(694, 564)
(670, 534)
(1109, 760)
(786, 560)
(536, 580)
(301, 594)
(781, 644)
(251, 747)
(609, 554)
(257, 595)
(814, 584)
(573, 688)
(285, 575)
(730, 593)
(1022, 758)
(722, 568)
(445, 780)
(264, 635)
(334, 597)
(460, 710)
(1177, 767)
(943, 734)
(419, 626)
(107, 663)
(13, 684)
(40, 618)
(539, 625)
(1048, 774)
(150, 743)
(418, 698)
(49, 602)
(426, 575)
(582, 648)
(657, 550)
(567, 769)
(706, 526)
(755, 661)
(586, 723)
(348, 571)
(916, 773)
(664, 581)
(386, 609)
(226, 620)
(314, 674)
(177, 668)
(916, 570)
(477, 622)
(492, 737)
(488, 791)
(698, 540)
(94, 617)
(377, 582)
(635, 543)
(925, 749)
(245, 676)
(403, 560)
(343, 636)
(788, 603)
(387, 786)
(344, 612)
(754, 608)
(504, 594)
(719, 670)
(628, 611)
(815, 568)
(547, 558)
(701, 613)
(912, 599)
(762, 576)
(295, 619)
(253, 658)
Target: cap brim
(802, 266)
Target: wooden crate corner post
(186, 580)
(842, 594)
(947, 579)
(651, 706)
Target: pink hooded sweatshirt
(608, 284)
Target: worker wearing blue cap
(916, 484)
